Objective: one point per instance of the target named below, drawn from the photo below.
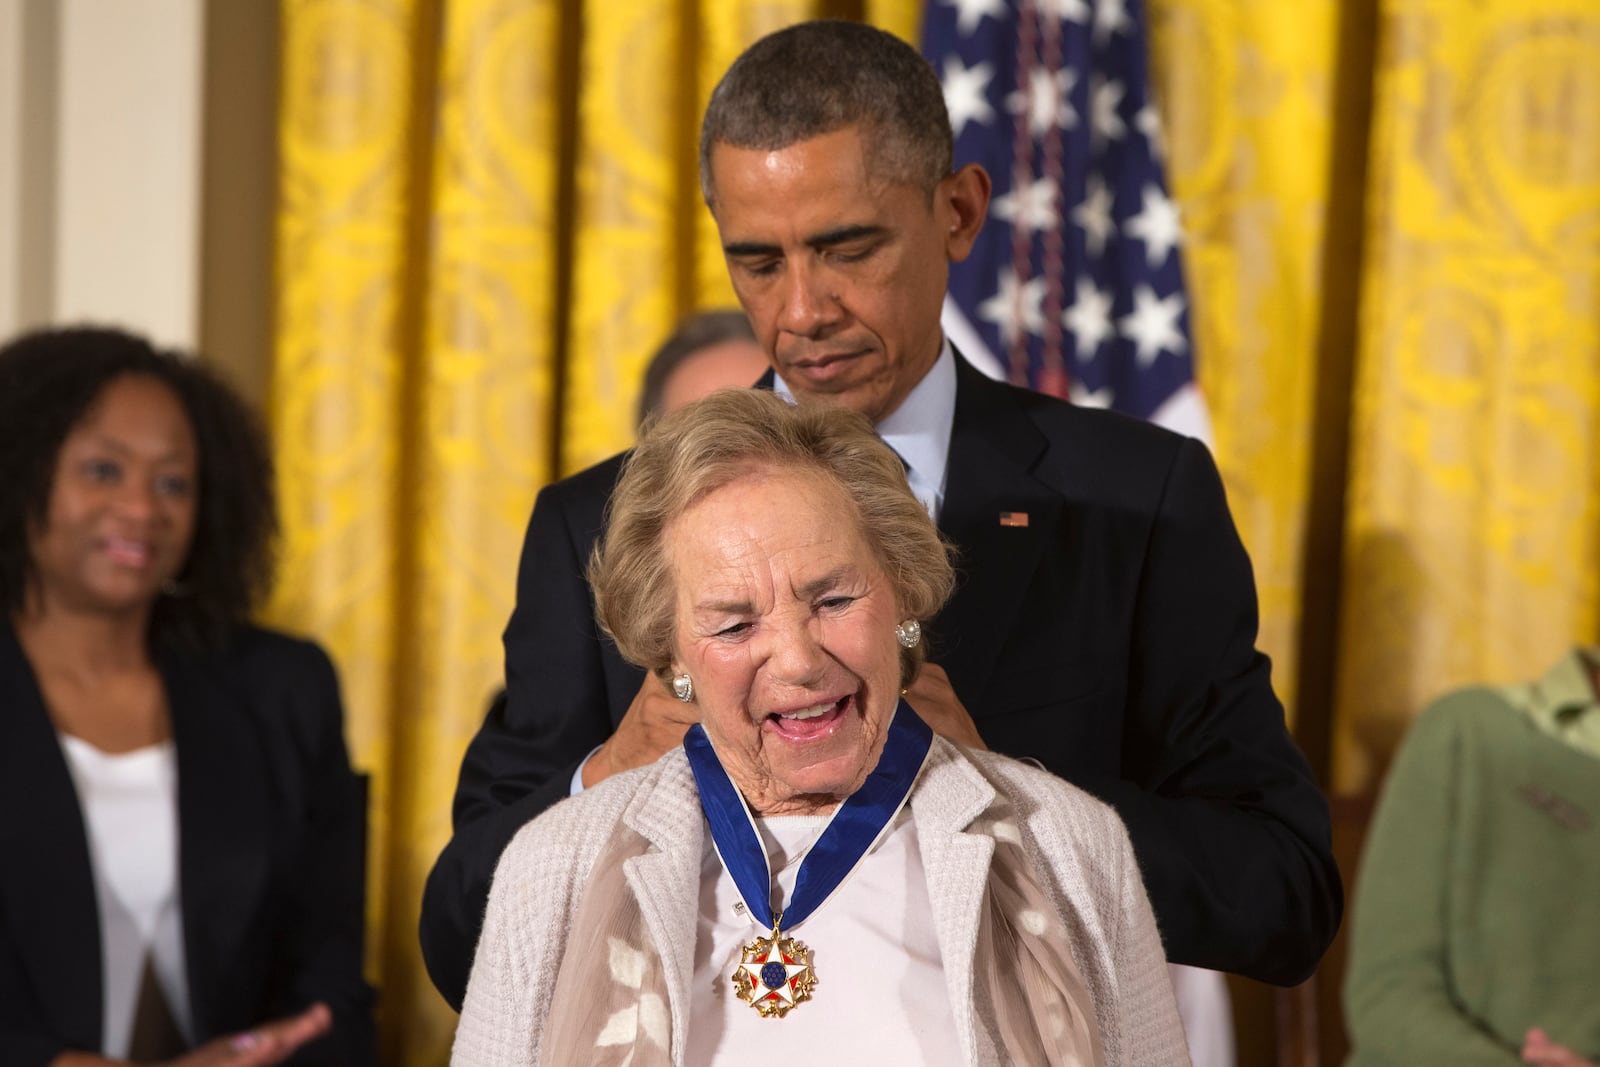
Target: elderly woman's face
(785, 622)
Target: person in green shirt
(1476, 926)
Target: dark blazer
(1111, 637)
(270, 829)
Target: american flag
(1075, 287)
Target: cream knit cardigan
(1077, 845)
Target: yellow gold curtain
(489, 215)
(1246, 92)
(1473, 532)
(337, 400)
(645, 251)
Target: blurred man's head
(826, 161)
(708, 351)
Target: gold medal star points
(774, 975)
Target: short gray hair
(818, 77)
(713, 442)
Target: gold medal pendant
(774, 974)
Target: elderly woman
(813, 874)
(180, 830)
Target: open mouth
(809, 723)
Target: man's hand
(653, 726)
(1537, 1048)
(931, 697)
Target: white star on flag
(1109, 17)
(966, 93)
(971, 12)
(1105, 96)
(1032, 206)
(1153, 325)
(1015, 307)
(1064, 118)
(1094, 215)
(1085, 397)
(1148, 122)
(1089, 319)
(1157, 225)
(1046, 101)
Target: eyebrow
(827, 581)
(826, 239)
(811, 589)
(112, 444)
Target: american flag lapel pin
(1013, 518)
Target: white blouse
(130, 810)
(881, 990)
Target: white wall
(100, 157)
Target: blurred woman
(180, 827)
(1476, 929)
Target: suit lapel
(993, 450)
(46, 882)
(223, 830)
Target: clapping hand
(1537, 1048)
(267, 1044)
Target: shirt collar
(919, 429)
(1563, 703)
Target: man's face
(841, 269)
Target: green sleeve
(1398, 1003)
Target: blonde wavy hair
(709, 444)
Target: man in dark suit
(1105, 625)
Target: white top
(130, 812)
(881, 995)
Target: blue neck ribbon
(855, 827)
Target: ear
(962, 201)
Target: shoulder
(571, 512)
(273, 668)
(1475, 712)
(980, 396)
(1061, 818)
(1056, 812)
(1102, 453)
(259, 649)
(585, 488)
(565, 838)
(287, 685)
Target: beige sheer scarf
(610, 1004)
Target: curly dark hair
(49, 382)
